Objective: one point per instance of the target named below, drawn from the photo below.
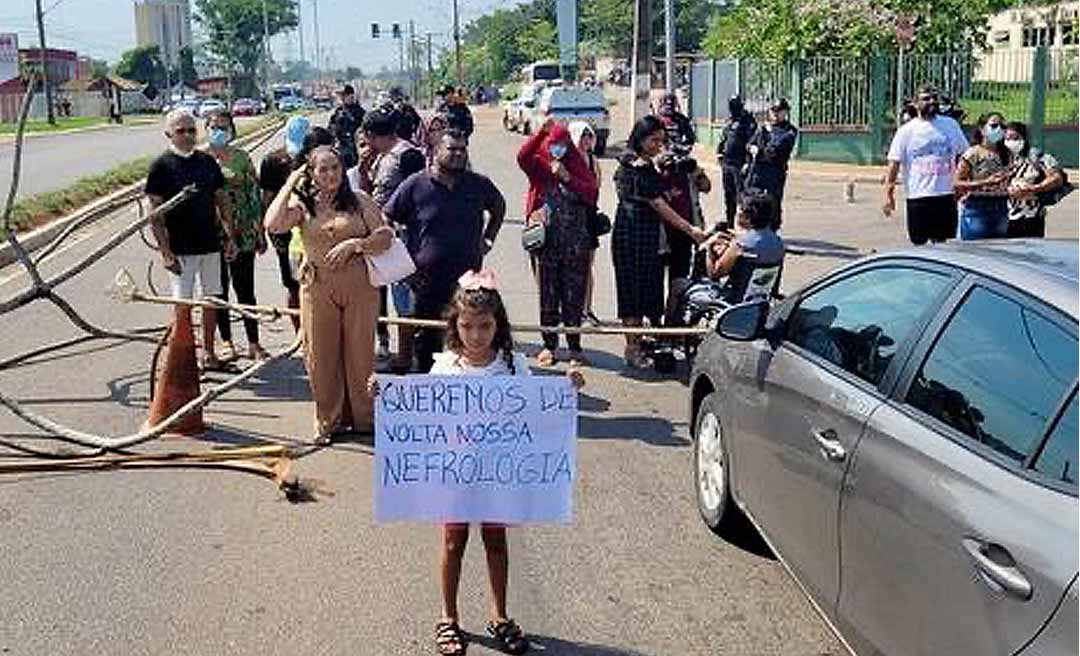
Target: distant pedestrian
(193, 235)
(680, 128)
(636, 240)
(731, 151)
(442, 210)
(982, 182)
(581, 133)
(338, 303)
(344, 122)
(770, 150)
(458, 115)
(273, 172)
(926, 148)
(407, 119)
(1034, 173)
(242, 188)
(562, 192)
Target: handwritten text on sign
(472, 449)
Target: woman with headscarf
(562, 189)
(581, 133)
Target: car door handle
(998, 569)
(829, 445)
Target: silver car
(903, 434)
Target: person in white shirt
(926, 148)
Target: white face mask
(1014, 145)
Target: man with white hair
(191, 235)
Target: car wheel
(712, 467)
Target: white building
(1016, 33)
(166, 24)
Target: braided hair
(486, 301)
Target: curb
(7, 138)
(44, 235)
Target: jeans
(984, 218)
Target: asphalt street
(52, 162)
(196, 562)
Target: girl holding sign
(479, 342)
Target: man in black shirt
(458, 115)
(442, 209)
(731, 151)
(770, 149)
(192, 235)
(344, 123)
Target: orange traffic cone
(178, 383)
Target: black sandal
(449, 639)
(509, 636)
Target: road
(55, 161)
(191, 562)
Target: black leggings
(242, 272)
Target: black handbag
(599, 224)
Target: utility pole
(430, 74)
(457, 42)
(44, 64)
(413, 84)
(266, 51)
(318, 47)
(669, 45)
(641, 77)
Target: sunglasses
(185, 131)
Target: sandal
(509, 637)
(545, 358)
(449, 639)
(228, 352)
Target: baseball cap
(296, 129)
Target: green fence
(847, 108)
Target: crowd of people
(331, 198)
(996, 186)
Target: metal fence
(843, 94)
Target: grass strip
(39, 209)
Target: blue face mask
(219, 137)
(993, 134)
(558, 151)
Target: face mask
(558, 151)
(219, 137)
(993, 134)
(1014, 145)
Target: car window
(859, 322)
(997, 373)
(1058, 458)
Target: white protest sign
(475, 449)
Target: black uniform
(408, 122)
(458, 117)
(344, 123)
(731, 151)
(768, 169)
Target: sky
(105, 28)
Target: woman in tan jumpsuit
(338, 305)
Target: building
(1015, 34)
(62, 65)
(166, 24)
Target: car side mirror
(744, 322)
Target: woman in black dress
(637, 242)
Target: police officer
(344, 122)
(770, 149)
(732, 155)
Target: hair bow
(474, 280)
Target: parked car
(565, 104)
(903, 434)
(246, 107)
(290, 103)
(514, 112)
(323, 102)
(190, 104)
(210, 105)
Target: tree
(783, 30)
(142, 64)
(540, 40)
(235, 31)
(186, 72)
(99, 69)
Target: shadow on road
(655, 431)
(541, 644)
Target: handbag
(391, 265)
(599, 224)
(533, 237)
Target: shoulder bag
(391, 265)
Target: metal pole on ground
(669, 45)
